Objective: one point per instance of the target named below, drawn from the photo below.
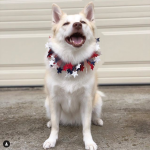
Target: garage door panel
(126, 46)
(22, 49)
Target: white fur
(70, 100)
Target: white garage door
(122, 25)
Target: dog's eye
(83, 22)
(66, 23)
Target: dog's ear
(89, 11)
(56, 13)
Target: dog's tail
(101, 93)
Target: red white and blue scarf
(56, 62)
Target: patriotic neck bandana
(72, 70)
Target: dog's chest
(70, 93)
(70, 101)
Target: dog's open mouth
(76, 39)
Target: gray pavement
(126, 116)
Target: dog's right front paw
(49, 143)
(91, 145)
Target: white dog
(70, 81)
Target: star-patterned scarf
(72, 70)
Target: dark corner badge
(6, 143)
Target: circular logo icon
(6, 143)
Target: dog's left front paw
(49, 143)
(91, 145)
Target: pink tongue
(77, 40)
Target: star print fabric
(72, 70)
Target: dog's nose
(77, 25)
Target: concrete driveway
(126, 116)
